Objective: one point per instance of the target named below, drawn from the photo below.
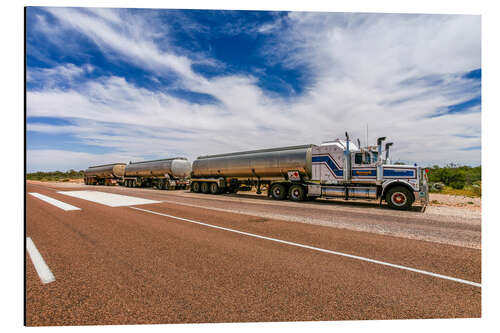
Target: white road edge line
(55, 202)
(41, 267)
(475, 284)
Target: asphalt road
(194, 259)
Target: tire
(297, 193)
(214, 188)
(398, 197)
(278, 192)
(205, 187)
(195, 187)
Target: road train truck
(334, 169)
(107, 174)
(164, 174)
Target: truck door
(363, 169)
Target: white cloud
(365, 69)
(269, 27)
(53, 76)
(128, 36)
(43, 159)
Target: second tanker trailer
(336, 169)
(170, 173)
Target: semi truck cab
(343, 169)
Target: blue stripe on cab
(390, 173)
(329, 162)
(399, 173)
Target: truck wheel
(399, 198)
(214, 188)
(195, 187)
(205, 187)
(297, 193)
(278, 191)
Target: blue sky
(114, 85)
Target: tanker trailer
(335, 169)
(107, 174)
(164, 174)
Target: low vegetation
(455, 180)
(55, 176)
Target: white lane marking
(41, 267)
(475, 284)
(52, 201)
(108, 199)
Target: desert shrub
(455, 176)
(436, 187)
(458, 184)
(55, 175)
(476, 188)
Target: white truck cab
(343, 169)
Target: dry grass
(467, 191)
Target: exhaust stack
(347, 173)
(379, 160)
(387, 146)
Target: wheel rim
(277, 191)
(398, 198)
(213, 188)
(295, 193)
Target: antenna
(367, 134)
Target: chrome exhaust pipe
(380, 176)
(347, 172)
(387, 146)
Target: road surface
(179, 257)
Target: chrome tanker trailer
(335, 169)
(107, 174)
(164, 174)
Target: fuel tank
(177, 167)
(263, 164)
(115, 170)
